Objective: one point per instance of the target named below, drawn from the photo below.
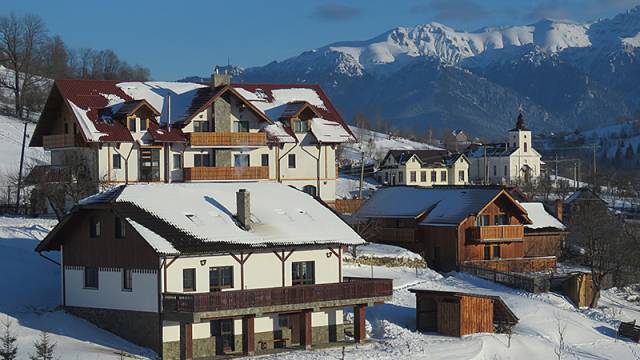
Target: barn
(459, 314)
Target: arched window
(309, 189)
(525, 146)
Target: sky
(182, 38)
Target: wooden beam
(248, 335)
(338, 254)
(283, 258)
(186, 341)
(241, 260)
(306, 329)
(359, 327)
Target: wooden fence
(520, 265)
(348, 206)
(534, 283)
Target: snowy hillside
(32, 299)
(11, 131)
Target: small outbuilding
(459, 314)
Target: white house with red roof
(141, 132)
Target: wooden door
(295, 323)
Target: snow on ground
(376, 145)
(348, 187)
(11, 131)
(373, 250)
(31, 299)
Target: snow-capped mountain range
(565, 74)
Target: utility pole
(24, 139)
(594, 168)
(361, 174)
(556, 180)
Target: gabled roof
(540, 217)
(438, 205)
(201, 217)
(427, 158)
(492, 150)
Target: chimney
(243, 204)
(218, 79)
(559, 205)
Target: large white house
(130, 132)
(423, 168)
(195, 270)
(513, 161)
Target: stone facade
(141, 328)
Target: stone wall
(205, 348)
(141, 328)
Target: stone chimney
(243, 204)
(218, 79)
(559, 205)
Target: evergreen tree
(8, 347)
(629, 154)
(45, 349)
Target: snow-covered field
(375, 145)
(31, 301)
(348, 187)
(11, 131)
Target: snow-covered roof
(280, 215)
(540, 218)
(157, 242)
(443, 206)
(326, 131)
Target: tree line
(34, 57)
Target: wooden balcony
(496, 233)
(396, 235)
(61, 141)
(289, 298)
(224, 139)
(226, 173)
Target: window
(400, 177)
(443, 176)
(91, 278)
(223, 332)
(501, 219)
(487, 253)
(505, 170)
(433, 176)
(525, 146)
(188, 279)
(75, 128)
(127, 280)
(309, 189)
(66, 128)
(283, 321)
(303, 273)
(423, 176)
(117, 161)
(495, 170)
(177, 161)
(264, 159)
(496, 251)
(201, 160)
(413, 176)
(482, 220)
(220, 277)
(201, 126)
(241, 160)
(119, 228)
(94, 227)
(386, 177)
(292, 161)
(300, 126)
(131, 124)
(461, 175)
(144, 123)
(241, 126)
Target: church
(514, 161)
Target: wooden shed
(459, 314)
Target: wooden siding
(449, 317)
(518, 264)
(226, 173)
(543, 244)
(476, 315)
(347, 206)
(61, 141)
(496, 232)
(454, 314)
(227, 139)
(79, 249)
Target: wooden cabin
(459, 314)
(546, 234)
(448, 225)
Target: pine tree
(45, 349)
(8, 347)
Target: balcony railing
(396, 235)
(227, 139)
(60, 141)
(497, 232)
(226, 173)
(278, 296)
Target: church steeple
(520, 123)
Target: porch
(296, 302)
(226, 139)
(226, 173)
(496, 233)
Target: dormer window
(131, 124)
(300, 126)
(144, 123)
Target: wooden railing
(288, 295)
(60, 141)
(226, 173)
(396, 235)
(227, 138)
(497, 232)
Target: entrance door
(294, 324)
(222, 331)
(149, 165)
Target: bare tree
(21, 39)
(561, 328)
